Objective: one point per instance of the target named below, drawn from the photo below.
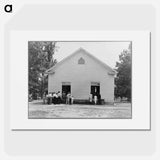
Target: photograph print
(80, 79)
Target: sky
(107, 52)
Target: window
(81, 61)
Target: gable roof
(52, 69)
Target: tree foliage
(123, 78)
(40, 56)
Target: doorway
(66, 89)
(95, 88)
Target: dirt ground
(39, 110)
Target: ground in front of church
(38, 110)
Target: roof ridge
(74, 53)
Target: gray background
(79, 17)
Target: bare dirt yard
(38, 110)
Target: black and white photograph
(80, 79)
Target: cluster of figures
(95, 98)
(69, 99)
(57, 98)
(54, 98)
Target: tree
(40, 59)
(123, 78)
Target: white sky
(107, 52)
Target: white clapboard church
(81, 74)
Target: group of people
(95, 98)
(57, 98)
(69, 99)
(52, 97)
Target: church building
(81, 74)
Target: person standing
(90, 98)
(95, 99)
(59, 97)
(72, 99)
(99, 98)
(68, 98)
(64, 97)
(54, 100)
(44, 98)
(49, 98)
